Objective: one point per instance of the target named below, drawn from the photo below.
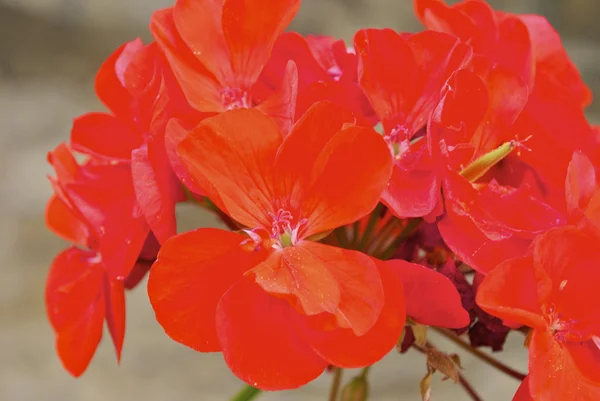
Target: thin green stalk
(246, 394)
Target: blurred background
(49, 53)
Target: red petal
(343, 348)
(250, 29)
(510, 292)
(235, 153)
(155, 193)
(326, 279)
(523, 393)
(281, 105)
(564, 256)
(65, 223)
(109, 80)
(199, 86)
(199, 24)
(114, 295)
(75, 306)
(430, 297)
(552, 60)
(100, 134)
(261, 341)
(175, 132)
(553, 375)
(191, 274)
(582, 193)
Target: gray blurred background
(49, 52)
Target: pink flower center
(562, 329)
(282, 230)
(234, 98)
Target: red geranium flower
(544, 290)
(80, 292)
(403, 77)
(218, 49)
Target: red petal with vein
(430, 297)
(65, 223)
(235, 153)
(302, 147)
(109, 83)
(114, 295)
(523, 393)
(199, 86)
(339, 180)
(155, 193)
(104, 135)
(251, 28)
(510, 292)
(75, 306)
(191, 274)
(175, 132)
(199, 24)
(281, 105)
(343, 348)
(260, 339)
(322, 278)
(553, 374)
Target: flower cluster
(445, 178)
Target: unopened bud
(356, 390)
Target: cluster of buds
(442, 180)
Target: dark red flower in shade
(81, 292)
(486, 221)
(299, 296)
(136, 86)
(327, 70)
(544, 290)
(528, 47)
(403, 77)
(218, 49)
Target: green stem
(365, 371)
(246, 394)
(335, 384)
(409, 229)
(375, 215)
(450, 335)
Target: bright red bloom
(528, 47)
(135, 85)
(486, 220)
(218, 49)
(544, 290)
(403, 77)
(298, 295)
(327, 70)
(80, 291)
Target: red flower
(528, 47)
(582, 192)
(403, 77)
(487, 220)
(544, 291)
(218, 49)
(299, 296)
(327, 70)
(80, 291)
(135, 85)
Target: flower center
(398, 141)
(234, 98)
(561, 328)
(282, 231)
